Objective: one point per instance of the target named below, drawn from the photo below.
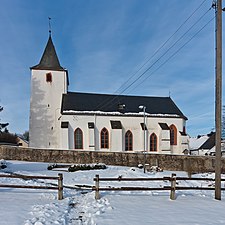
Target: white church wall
(91, 136)
(179, 123)
(45, 105)
(185, 142)
(70, 137)
(64, 138)
(117, 136)
(165, 140)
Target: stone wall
(191, 164)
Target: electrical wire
(105, 103)
(166, 59)
(175, 52)
(148, 59)
(140, 76)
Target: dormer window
(48, 77)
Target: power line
(175, 52)
(138, 78)
(106, 102)
(148, 59)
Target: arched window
(173, 135)
(153, 142)
(104, 138)
(128, 141)
(78, 139)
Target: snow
(196, 142)
(41, 207)
(118, 113)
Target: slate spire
(49, 59)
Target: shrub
(77, 167)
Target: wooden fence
(58, 187)
(172, 188)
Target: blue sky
(103, 43)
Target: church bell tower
(49, 80)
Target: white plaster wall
(91, 139)
(184, 142)
(116, 137)
(45, 105)
(64, 138)
(128, 123)
(165, 140)
(154, 127)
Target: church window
(78, 139)
(153, 142)
(48, 77)
(104, 138)
(128, 141)
(173, 135)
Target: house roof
(49, 59)
(75, 101)
(209, 143)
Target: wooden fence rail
(172, 188)
(59, 187)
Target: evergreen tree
(3, 125)
(26, 135)
(5, 136)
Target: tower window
(48, 77)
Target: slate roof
(75, 101)
(210, 142)
(49, 59)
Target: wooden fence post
(60, 186)
(173, 186)
(97, 195)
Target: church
(60, 119)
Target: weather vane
(49, 25)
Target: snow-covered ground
(41, 207)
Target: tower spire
(49, 59)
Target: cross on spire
(49, 25)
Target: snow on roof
(196, 142)
(118, 113)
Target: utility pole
(218, 107)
